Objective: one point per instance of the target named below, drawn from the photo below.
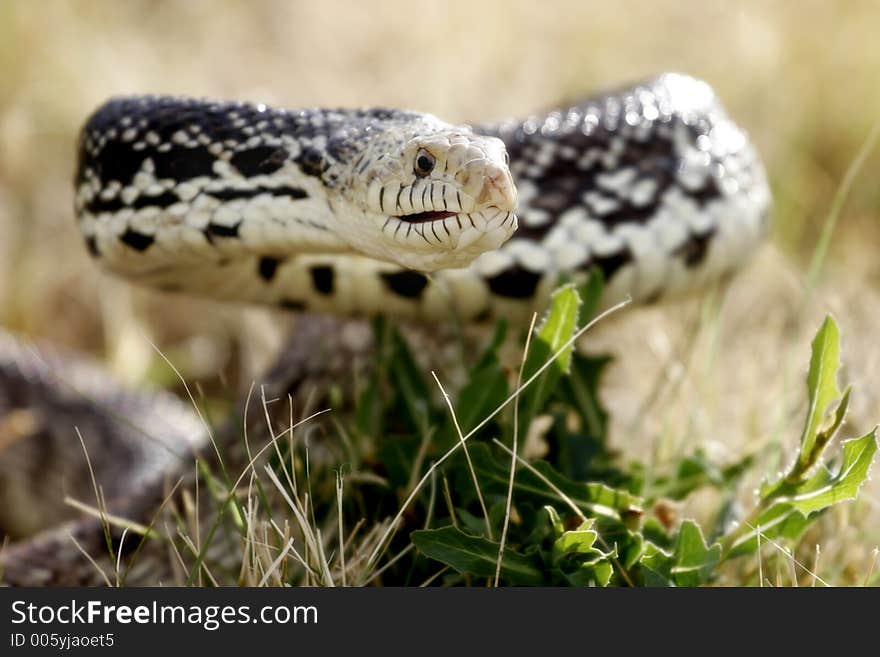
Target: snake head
(427, 195)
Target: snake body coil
(349, 212)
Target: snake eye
(424, 163)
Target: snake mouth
(425, 217)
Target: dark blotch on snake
(610, 264)
(267, 266)
(116, 161)
(232, 194)
(259, 160)
(218, 230)
(311, 161)
(181, 164)
(98, 205)
(163, 200)
(137, 241)
(406, 283)
(514, 283)
(92, 246)
(694, 250)
(708, 192)
(322, 279)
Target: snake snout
(490, 184)
(498, 189)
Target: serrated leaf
(823, 490)
(689, 564)
(789, 512)
(631, 550)
(576, 558)
(596, 572)
(476, 555)
(821, 384)
(656, 564)
(802, 467)
(558, 326)
(578, 540)
(694, 560)
(556, 329)
(780, 521)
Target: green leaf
(557, 328)
(809, 487)
(694, 560)
(656, 566)
(476, 555)
(780, 521)
(787, 515)
(410, 384)
(485, 390)
(823, 489)
(691, 563)
(578, 541)
(490, 354)
(593, 499)
(697, 471)
(597, 572)
(398, 458)
(581, 390)
(654, 579)
(471, 524)
(368, 415)
(555, 521)
(574, 556)
(591, 294)
(821, 385)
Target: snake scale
(355, 213)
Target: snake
(357, 213)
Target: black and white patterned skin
(654, 185)
(167, 185)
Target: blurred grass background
(800, 76)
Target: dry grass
(726, 372)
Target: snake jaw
(451, 241)
(425, 217)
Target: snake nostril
(498, 189)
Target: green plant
(440, 492)
(577, 517)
